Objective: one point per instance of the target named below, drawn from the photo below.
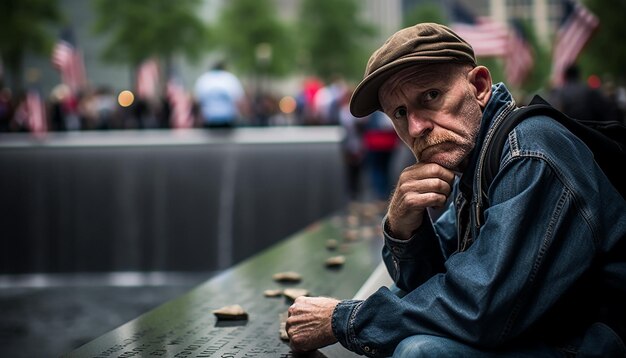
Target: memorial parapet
(187, 327)
(161, 200)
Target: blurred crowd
(101, 108)
(219, 99)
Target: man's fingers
(419, 171)
(420, 186)
(308, 323)
(424, 186)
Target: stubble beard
(448, 148)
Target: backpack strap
(602, 137)
(491, 164)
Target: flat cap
(424, 43)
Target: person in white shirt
(220, 97)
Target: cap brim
(364, 99)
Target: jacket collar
(500, 99)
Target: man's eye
(431, 95)
(400, 113)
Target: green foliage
(25, 27)
(140, 29)
(495, 66)
(538, 78)
(605, 53)
(333, 37)
(428, 12)
(252, 38)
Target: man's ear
(480, 78)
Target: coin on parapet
(351, 235)
(282, 317)
(352, 220)
(231, 313)
(293, 293)
(289, 276)
(335, 261)
(273, 293)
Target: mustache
(429, 141)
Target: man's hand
(420, 186)
(309, 323)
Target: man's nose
(418, 124)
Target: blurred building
(387, 15)
(543, 14)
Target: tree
(538, 78)
(428, 12)
(253, 39)
(140, 29)
(24, 28)
(605, 54)
(333, 37)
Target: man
(545, 274)
(578, 100)
(220, 97)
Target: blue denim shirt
(551, 223)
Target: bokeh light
(125, 98)
(594, 81)
(287, 104)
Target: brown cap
(423, 43)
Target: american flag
(519, 60)
(577, 26)
(68, 60)
(181, 103)
(490, 38)
(487, 37)
(148, 79)
(36, 112)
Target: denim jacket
(545, 266)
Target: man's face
(434, 111)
